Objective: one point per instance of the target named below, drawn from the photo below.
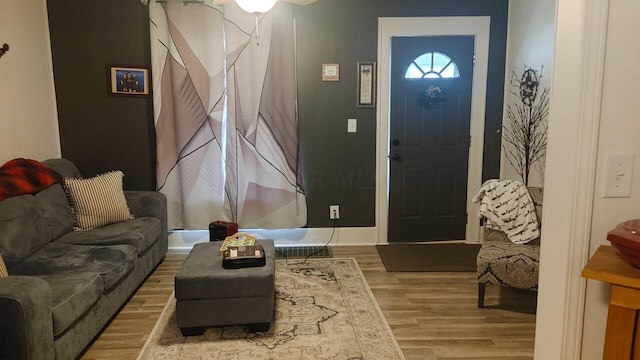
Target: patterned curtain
(224, 93)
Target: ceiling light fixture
(256, 6)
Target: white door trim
(572, 147)
(478, 26)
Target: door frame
(479, 26)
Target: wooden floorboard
(434, 316)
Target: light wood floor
(434, 316)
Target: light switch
(618, 169)
(352, 125)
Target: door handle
(395, 156)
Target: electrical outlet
(334, 212)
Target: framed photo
(366, 84)
(128, 80)
(330, 72)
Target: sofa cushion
(112, 262)
(505, 263)
(97, 201)
(497, 235)
(23, 228)
(73, 294)
(56, 209)
(140, 232)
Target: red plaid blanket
(25, 176)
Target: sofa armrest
(147, 204)
(26, 326)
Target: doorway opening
(429, 128)
(388, 28)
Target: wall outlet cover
(618, 173)
(334, 212)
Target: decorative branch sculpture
(526, 129)
(4, 49)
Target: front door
(431, 81)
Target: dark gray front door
(430, 137)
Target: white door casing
(477, 26)
(574, 125)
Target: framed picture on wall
(330, 72)
(128, 80)
(366, 84)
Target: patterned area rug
(324, 310)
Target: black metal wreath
(433, 97)
(529, 83)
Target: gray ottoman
(208, 295)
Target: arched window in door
(432, 65)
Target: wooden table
(624, 303)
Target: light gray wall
(593, 112)
(530, 42)
(27, 98)
(619, 131)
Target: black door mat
(301, 252)
(429, 257)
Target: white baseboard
(344, 236)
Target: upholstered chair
(502, 262)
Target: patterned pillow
(3, 268)
(97, 201)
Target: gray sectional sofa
(64, 286)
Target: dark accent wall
(100, 132)
(339, 167)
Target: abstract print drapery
(224, 96)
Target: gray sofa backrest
(28, 222)
(63, 167)
(56, 209)
(23, 228)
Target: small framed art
(366, 84)
(128, 80)
(330, 72)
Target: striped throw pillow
(3, 268)
(97, 201)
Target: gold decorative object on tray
(237, 239)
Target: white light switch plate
(618, 173)
(352, 125)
